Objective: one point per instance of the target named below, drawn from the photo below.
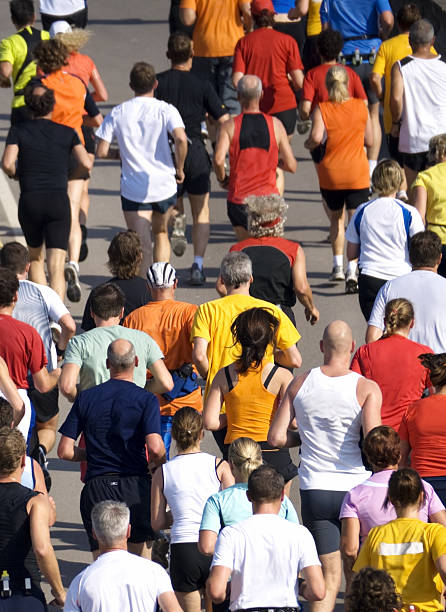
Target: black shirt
(191, 96)
(44, 153)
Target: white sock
(338, 260)
(75, 264)
(198, 260)
(352, 266)
(372, 166)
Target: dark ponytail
(254, 329)
(436, 364)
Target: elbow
(318, 592)
(42, 550)
(206, 548)
(209, 423)
(97, 120)
(167, 383)
(70, 325)
(216, 593)
(158, 523)
(67, 389)
(275, 440)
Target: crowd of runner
(167, 523)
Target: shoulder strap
(228, 378)
(270, 375)
(31, 39)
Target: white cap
(161, 275)
(59, 27)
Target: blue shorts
(161, 207)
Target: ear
(23, 461)
(27, 267)
(107, 364)
(121, 316)
(321, 345)
(16, 297)
(175, 284)
(136, 361)
(248, 495)
(251, 279)
(129, 531)
(412, 324)
(353, 347)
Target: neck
(28, 25)
(251, 107)
(15, 476)
(428, 268)
(185, 66)
(242, 290)
(48, 116)
(332, 62)
(125, 375)
(106, 322)
(388, 195)
(389, 467)
(404, 331)
(335, 360)
(159, 295)
(408, 511)
(441, 390)
(192, 449)
(7, 310)
(423, 52)
(272, 507)
(116, 546)
(22, 276)
(149, 94)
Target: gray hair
(117, 359)
(266, 215)
(110, 521)
(421, 33)
(249, 88)
(235, 269)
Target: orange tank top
(249, 405)
(344, 165)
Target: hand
(293, 15)
(179, 175)
(224, 183)
(5, 83)
(312, 315)
(395, 130)
(58, 601)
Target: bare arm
(9, 390)
(217, 583)
(317, 130)
(82, 157)
(419, 200)
(376, 84)
(5, 74)
(279, 434)
(441, 567)
(68, 450)
(199, 356)
(386, 22)
(169, 603)
(161, 380)
(102, 149)
(40, 486)
(236, 78)
(370, 398)
(95, 121)
(289, 358)
(246, 16)
(180, 138)
(68, 380)
(300, 10)
(302, 287)
(396, 93)
(304, 109)
(349, 547)
(100, 93)
(44, 381)
(188, 16)
(352, 251)
(225, 475)
(206, 542)
(212, 419)
(313, 589)
(9, 160)
(297, 79)
(159, 516)
(373, 333)
(438, 517)
(404, 457)
(156, 450)
(68, 330)
(287, 161)
(221, 150)
(368, 134)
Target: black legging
(368, 287)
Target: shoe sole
(197, 282)
(73, 288)
(337, 279)
(351, 286)
(83, 253)
(178, 244)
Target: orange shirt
(80, 65)
(423, 427)
(70, 93)
(344, 165)
(169, 323)
(218, 26)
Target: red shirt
(22, 349)
(315, 90)
(393, 363)
(270, 55)
(423, 427)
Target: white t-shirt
(382, 228)
(61, 7)
(141, 127)
(424, 102)
(427, 292)
(118, 582)
(265, 554)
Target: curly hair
(266, 215)
(437, 149)
(373, 590)
(436, 364)
(125, 254)
(74, 40)
(51, 55)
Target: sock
(352, 266)
(198, 260)
(372, 166)
(338, 260)
(75, 264)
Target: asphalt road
(123, 34)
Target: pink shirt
(365, 502)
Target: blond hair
(336, 82)
(263, 211)
(245, 456)
(398, 315)
(387, 177)
(75, 40)
(437, 149)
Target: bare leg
(75, 188)
(280, 181)
(337, 231)
(55, 260)
(287, 488)
(331, 568)
(37, 265)
(373, 150)
(161, 243)
(189, 602)
(142, 549)
(240, 232)
(85, 203)
(411, 175)
(141, 222)
(179, 206)
(47, 432)
(201, 228)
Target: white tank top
(189, 480)
(328, 416)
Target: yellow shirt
(13, 50)
(434, 181)
(407, 549)
(314, 26)
(213, 321)
(391, 51)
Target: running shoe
(351, 282)
(178, 240)
(302, 127)
(337, 274)
(83, 253)
(73, 284)
(197, 277)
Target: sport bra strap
(228, 378)
(270, 375)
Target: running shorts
(189, 568)
(320, 515)
(45, 217)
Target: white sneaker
(178, 240)
(351, 282)
(73, 284)
(337, 274)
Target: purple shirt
(365, 502)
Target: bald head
(337, 338)
(120, 355)
(249, 89)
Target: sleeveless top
(344, 165)
(328, 416)
(16, 552)
(249, 405)
(189, 480)
(253, 157)
(314, 26)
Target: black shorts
(279, 459)
(45, 216)
(46, 405)
(132, 490)
(77, 20)
(392, 145)
(189, 569)
(352, 198)
(238, 214)
(90, 139)
(162, 206)
(415, 161)
(363, 71)
(320, 515)
(368, 287)
(20, 601)
(197, 169)
(288, 119)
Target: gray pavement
(125, 33)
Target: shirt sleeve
(383, 5)
(238, 64)
(439, 542)
(433, 502)
(162, 580)
(71, 601)
(323, 12)
(420, 181)
(289, 511)
(13, 136)
(351, 233)
(56, 308)
(6, 52)
(379, 307)
(287, 334)
(200, 327)
(174, 120)
(212, 102)
(380, 61)
(106, 130)
(151, 415)
(224, 549)
(37, 357)
(192, 4)
(308, 92)
(153, 351)
(348, 508)
(73, 352)
(72, 427)
(210, 520)
(355, 365)
(294, 60)
(308, 547)
(358, 87)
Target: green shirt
(89, 352)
